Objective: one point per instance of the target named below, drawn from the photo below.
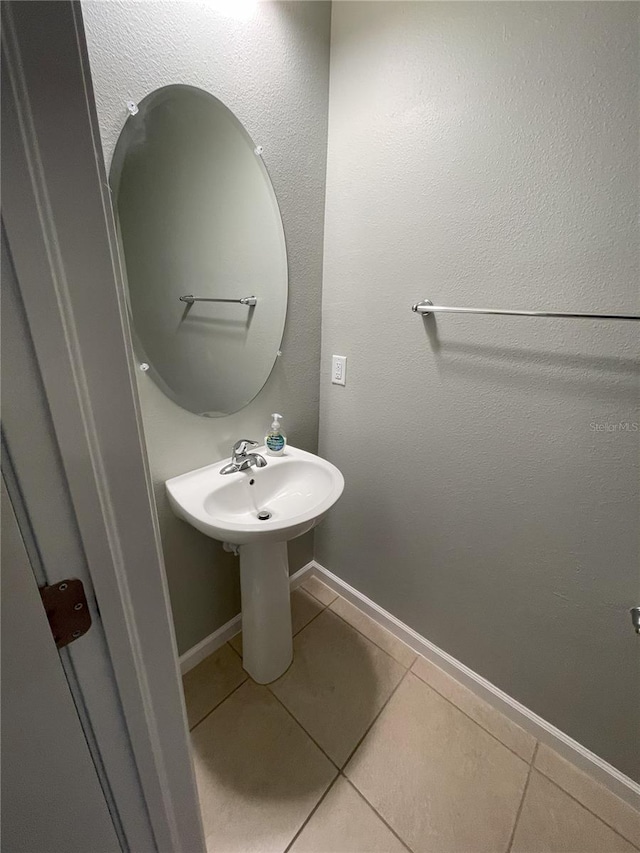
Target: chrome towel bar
(246, 300)
(426, 307)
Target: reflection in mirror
(204, 248)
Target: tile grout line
(302, 586)
(281, 703)
(312, 574)
(313, 618)
(235, 651)
(446, 698)
(431, 687)
(524, 794)
(311, 813)
(375, 719)
(294, 634)
(368, 639)
(377, 645)
(375, 810)
(323, 607)
(297, 722)
(469, 717)
(586, 807)
(217, 705)
(366, 732)
(333, 764)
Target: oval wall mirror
(204, 249)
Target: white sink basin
(297, 489)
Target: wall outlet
(339, 370)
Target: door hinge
(66, 607)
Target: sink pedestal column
(267, 637)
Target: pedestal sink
(255, 512)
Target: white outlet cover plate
(339, 370)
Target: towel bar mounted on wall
(426, 307)
(245, 300)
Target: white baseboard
(298, 577)
(206, 647)
(214, 641)
(605, 773)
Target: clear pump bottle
(275, 440)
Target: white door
(52, 800)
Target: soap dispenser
(275, 440)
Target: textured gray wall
(487, 154)
(273, 72)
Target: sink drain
(263, 515)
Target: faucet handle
(240, 447)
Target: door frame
(61, 237)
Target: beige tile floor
(364, 747)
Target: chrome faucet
(241, 460)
